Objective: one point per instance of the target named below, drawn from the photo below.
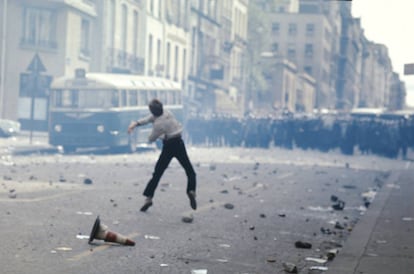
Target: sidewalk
(383, 241)
(28, 143)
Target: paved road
(278, 197)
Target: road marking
(99, 248)
(40, 199)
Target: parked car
(9, 128)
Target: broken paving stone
(82, 237)
(187, 219)
(12, 194)
(271, 260)
(321, 268)
(300, 244)
(331, 254)
(199, 271)
(228, 206)
(339, 205)
(151, 237)
(64, 248)
(87, 181)
(339, 226)
(316, 260)
(290, 268)
(326, 231)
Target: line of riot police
(388, 137)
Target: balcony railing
(43, 44)
(122, 60)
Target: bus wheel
(69, 149)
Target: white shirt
(164, 126)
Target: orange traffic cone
(101, 232)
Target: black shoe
(146, 205)
(193, 202)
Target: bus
(94, 110)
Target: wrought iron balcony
(120, 59)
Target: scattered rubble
(228, 206)
(290, 268)
(305, 245)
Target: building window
(150, 67)
(124, 31)
(326, 55)
(176, 64)
(168, 60)
(111, 27)
(39, 28)
(291, 52)
(159, 9)
(151, 7)
(85, 38)
(275, 28)
(159, 56)
(310, 29)
(135, 38)
(308, 70)
(309, 50)
(275, 47)
(184, 64)
(293, 29)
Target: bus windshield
(84, 99)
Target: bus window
(143, 97)
(132, 98)
(123, 98)
(176, 97)
(88, 99)
(74, 98)
(172, 96)
(103, 99)
(162, 96)
(153, 94)
(57, 98)
(66, 98)
(115, 98)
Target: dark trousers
(171, 148)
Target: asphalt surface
(253, 206)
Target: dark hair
(155, 107)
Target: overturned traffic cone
(101, 232)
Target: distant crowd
(389, 137)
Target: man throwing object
(167, 128)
